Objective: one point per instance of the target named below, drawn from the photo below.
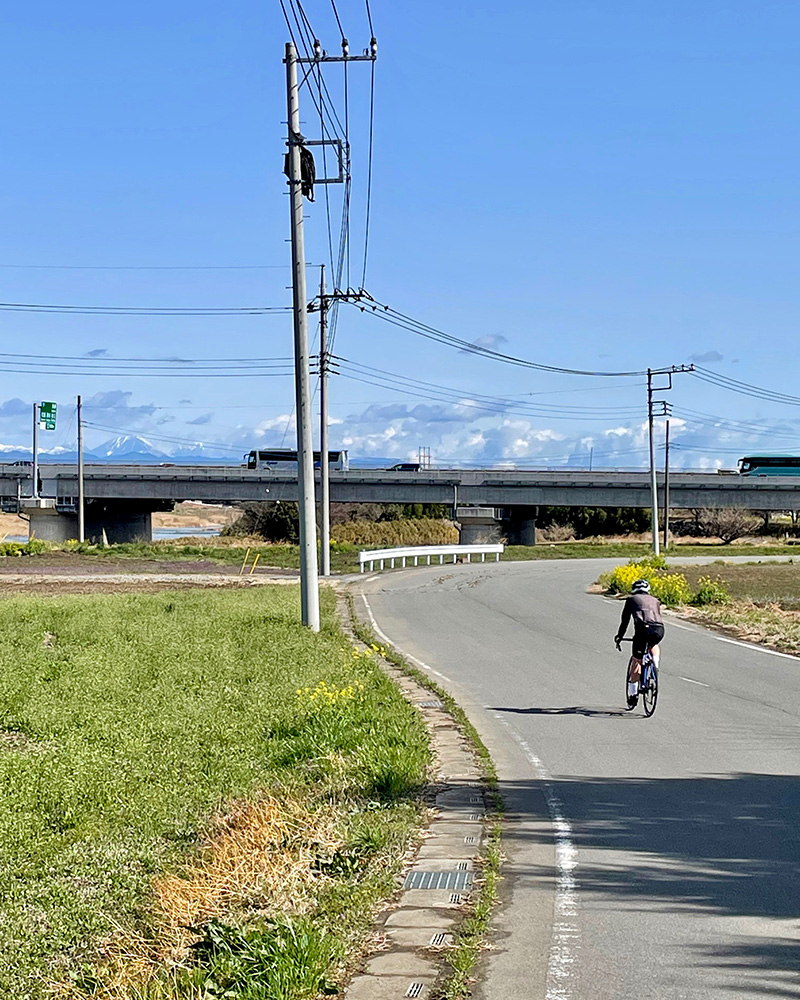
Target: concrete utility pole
(653, 484)
(81, 494)
(309, 581)
(665, 412)
(666, 489)
(35, 469)
(324, 470)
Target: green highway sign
(47, 416)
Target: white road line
(386, 639)
(566, 936)
(758, 649)
(686, 628)
(690, 681)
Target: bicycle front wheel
(650, 691)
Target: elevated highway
(120, 498)
(491, 488)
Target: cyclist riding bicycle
(648, 631)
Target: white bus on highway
(285, 460)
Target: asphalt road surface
(647, 858)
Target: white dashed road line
(690, 681)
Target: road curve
(647, 859)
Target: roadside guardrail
(417, 552)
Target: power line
(744, 388)
(369, 166)
(369, 19)
(37, 307)
(147, 267)
(398, 319)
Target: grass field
(149, 744)
(761, 583)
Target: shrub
(726, 523)
(710, 592)
(669, 588)
(274, 522)
(408, 531)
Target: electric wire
(443, 393)
(83, 310)
(146, 267)
(369, 166)
(369, 19)
(398, 319)
(338, 20)
(744, 388)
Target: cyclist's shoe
(632, 702)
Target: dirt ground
(188, 514)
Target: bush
(669, 588)
(416, 531)
(710, 592)
(726, 523)
(274, 522)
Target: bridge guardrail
(416, 552)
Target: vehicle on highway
(285, 460)
(770, 465)
(405, 467)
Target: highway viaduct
(121, 498)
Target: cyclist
(648, 630)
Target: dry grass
(257, 856)
(768, 625)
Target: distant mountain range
(130, 449)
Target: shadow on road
(721, 845)
(591, 713)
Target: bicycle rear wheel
(650, 689)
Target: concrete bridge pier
(46, 522)
(112, 521)
(478, 525)
(520, 525)
(122, 521)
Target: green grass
(127, 721)
(344, 556)
(761, 583)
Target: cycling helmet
(640, 587)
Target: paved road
(648, 858)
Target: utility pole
(653, 484)
(81, 494)
(309, 582)
(35, 469)
(665, 412)
(309, 578)
(666, 489)
(324, 470)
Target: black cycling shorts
(646, 636)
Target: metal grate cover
(414, 989)
(470, 840)
(430, 704)
(455, 897)
(438, 939)
(438, 880)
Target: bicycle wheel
(628, 706)
(650, 689)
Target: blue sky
(600, 185)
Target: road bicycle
(648, 680)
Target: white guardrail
(417, 552)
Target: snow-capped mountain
(126, 446)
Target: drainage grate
(475, 816)
(474, 798)
(455, 897)
(430, 704)
(438, 939)
(438, 880)
(462, 866)
(414, 989)
(470, 840)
